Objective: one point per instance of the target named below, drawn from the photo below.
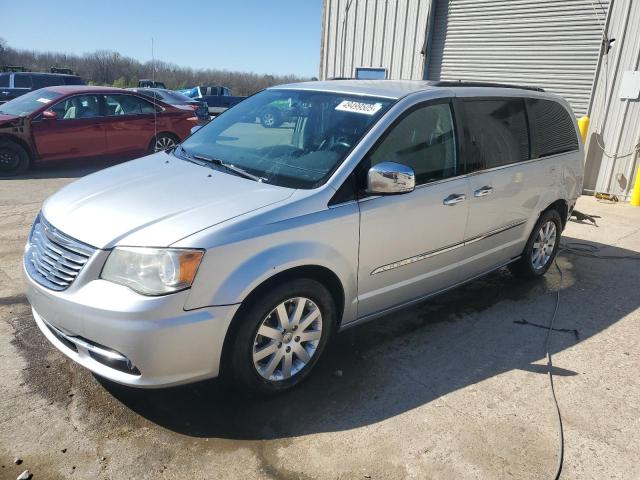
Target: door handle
(454, 198)
(483, 191)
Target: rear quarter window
(552, 128)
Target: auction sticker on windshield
(44, 100)
(359, 107)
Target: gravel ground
(452, 388)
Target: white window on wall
(371, 73)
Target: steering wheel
(339, 144)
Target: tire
(163, 141)
(259, 363)
(14, 159)
(541, 248)
(271, 118)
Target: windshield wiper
(227, 166)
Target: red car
(68, 122)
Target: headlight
(152, 271)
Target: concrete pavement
(453, 388)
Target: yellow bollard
(635, 196)
(583, 125)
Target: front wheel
(281, 336)
(14, 159)
(542, 246)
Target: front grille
(52, 258)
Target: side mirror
(387, 178)
(195, 128)
(49, 115)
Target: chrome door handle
(483, 191)
(454, 198)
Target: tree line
(105, 67)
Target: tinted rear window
(4, 79)
(41, 81)
(71, 80)
(495, 133)
(552, 128)
(22, 80)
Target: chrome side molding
(433, 253)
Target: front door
(410, 243)
(76, 131)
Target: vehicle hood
(4, 118)
(154, 201)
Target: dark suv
(14, 84)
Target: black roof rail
(460, 83)
(64, 71)
(12, 68)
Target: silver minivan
(243, 250)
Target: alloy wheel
(543, 245)
(287, 339)
(164, 143)
(268, 119)
(8, 160)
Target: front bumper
(103, 326)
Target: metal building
(613, 139)
(553, 44)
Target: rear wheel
(542, 246)
(14, 159)
(162, 142)
(281, 336)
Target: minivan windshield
(291, 138)
(29, 102)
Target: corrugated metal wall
(553, 44)
(614, 132)
(374, 33)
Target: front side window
(77, 107)
(127, 105)
(292, 138)
(423, 140)
(495, 133)
(552, 128)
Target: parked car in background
(146, 83)
(176, 99)
(14, 84)
(67, 122)
(217, 98)
(278, 112)
(249, 247)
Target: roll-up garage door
(553, 44)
